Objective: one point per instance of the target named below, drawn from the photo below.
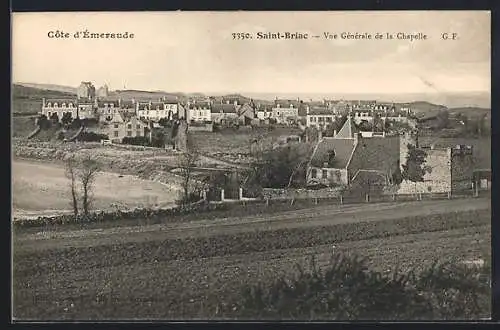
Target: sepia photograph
(251, 166)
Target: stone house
(263, 111)
(319, 117)
(350, 159)
(285, 111)
(157, 110)
(59, 107)
(246, 113)
(224, 113)
(198, 111)
(122, 125)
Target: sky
(195, 52)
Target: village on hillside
(356, 145)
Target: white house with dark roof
(285, 111)
(158, 110)
(198, 111)
(319, 117)
(59, 107)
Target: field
(22, 126)
(196, 270)
(42, 188)
(238, 141)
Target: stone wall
(439, 177)
(270, 193)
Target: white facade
(60, 108)
(156, 112)
(319, 120)
(200, 114)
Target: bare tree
(87, 175)
(187, 164)
(71, 175)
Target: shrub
(136, 140)
(92, 137)
(347, 289)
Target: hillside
(422, 108)
(144, 95)
(28, 100)
(49, 87)
(471, 112)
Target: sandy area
(42, 188)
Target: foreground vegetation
(348, 289)
(232, 277)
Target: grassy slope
(29, 99)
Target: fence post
(449, 194)
(241, 193)
(367, 198)
(341, 200)
(222, 195)
(267, 201)
(419, 196)
(393, 197)
(316, 200)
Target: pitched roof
(320, 111)
(225, 108)
(287, 103)
(102, 103)
(200, 105)
(342, 148)
(348, 130)
(246, 110)
(127, 105)
(375, 153)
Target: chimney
(43, 102)
(227, 101)
(307, 110)
(235, 102)
(334, 133)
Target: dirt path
(318, 216)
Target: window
(129, 126)
(116, 133)
(324, 174)
(138, 133)
(129, 133)
(55, 105)
(328, 119)
(138, 126)
(313, 173)
(116, 125)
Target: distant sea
(451, 100)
